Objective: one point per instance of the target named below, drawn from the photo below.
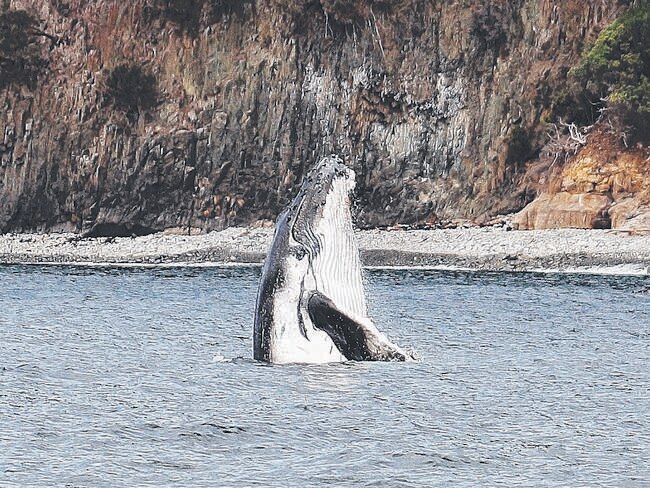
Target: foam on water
(631, 269)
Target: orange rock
(630, 214)
(581, 211)
(603, 185)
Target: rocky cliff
(604, 185)
(436, 105)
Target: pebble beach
(475, 248)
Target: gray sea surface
(143, 377)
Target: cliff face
(436, 105)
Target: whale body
(311, 306)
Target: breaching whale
(311, 305)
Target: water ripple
(142, 377)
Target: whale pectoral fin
(356, 339)
(348, 334)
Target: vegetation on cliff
(600, 127)
(617, 67)
(188, 15)
(339, 15)
(130, 88)
(619, 61)
(21, 54)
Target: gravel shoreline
(487, 248)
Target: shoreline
(477, 249)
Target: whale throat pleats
(337, 266)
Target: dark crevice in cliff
(119, 230)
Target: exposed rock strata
(580, 211)
(605, 185)
(422, 98)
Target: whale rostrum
(311, 306)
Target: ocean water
(143, 377)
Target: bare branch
(576, 134)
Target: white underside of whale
(288, 344)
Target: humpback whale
(311, 306)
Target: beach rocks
(486, 248)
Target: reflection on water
(108, 377)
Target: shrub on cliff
(341, 16)
(357, 12)
(519, 146)
(345, 12)
(618, 64)
(62, 7)
(21, 59)
(219, 8)
(187, 15)
(489, 27)
(130, 88)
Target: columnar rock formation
(436, 105)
